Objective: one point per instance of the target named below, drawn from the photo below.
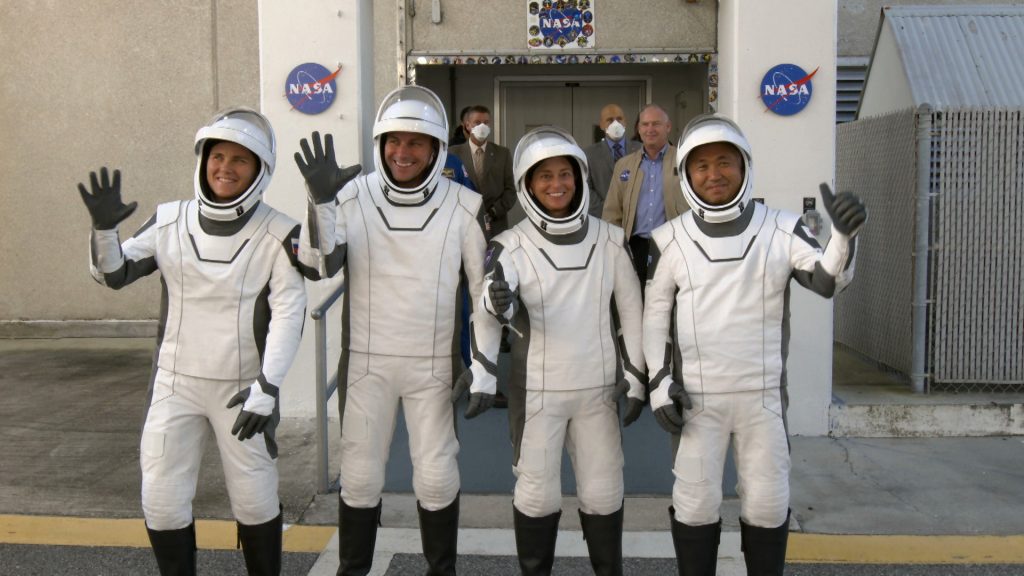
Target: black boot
(439, 532)
(696, 546)
(175, 550)
(357, 535)
(261, 545)
(535, 542)
(764, 549)
(604, 542)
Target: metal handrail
(324, 387)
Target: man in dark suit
(490, 169)
(602, 156)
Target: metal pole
(401, 40)
(324, 389)
(919, 330)
(321, 405)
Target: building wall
(472, 25)
(888, 89)
(791, 156)
(621, 26)
(104, 83)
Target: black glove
(670, 417)
(634, 406)
(501, 296)
(846, 210)
(258, 413)
(320, 170)
(104, 203)
(479, 402)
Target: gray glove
(501, 296)
(634, 406)
(479, 402)
(670, 417)
(104, 204)
(846, 210)
(256, 416)
(320, 170)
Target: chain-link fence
(877, 161)
(974, 336)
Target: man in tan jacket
(644, 191)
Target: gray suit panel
(496, 186)
(599, 160)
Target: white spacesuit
(404, 243)
(577, 312)
(231, 319)
(715, 339)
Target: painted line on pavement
(131, 533)
(803, 548)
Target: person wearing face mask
(233, 305)
(563, 281)
(602, 156)
(490, 169)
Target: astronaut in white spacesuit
(231, 318)
(404, 236)
(564, 283)
(716, 329)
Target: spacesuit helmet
(536, 146)
(411, 109)
(249, 129)
(709, 129)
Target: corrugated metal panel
(962, 56)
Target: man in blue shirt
(644, 192)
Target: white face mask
(615, 130)
(481, 132)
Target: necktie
(617, 151)
(478, 162)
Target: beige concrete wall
(501, 26)
(104, 82)
(469, 25)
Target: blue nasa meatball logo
(311, 88)
(786, 89)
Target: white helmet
(244, 127)
(411, 109)
(536, 146)
(707, 129)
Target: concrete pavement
(71, 416)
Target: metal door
(573, 104)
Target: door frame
(501, 82)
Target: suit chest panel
(406, 243)
(220, 270)
(403, 272)
(565, 289)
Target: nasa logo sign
(311, 88)
(786, 89)
(556, 25)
